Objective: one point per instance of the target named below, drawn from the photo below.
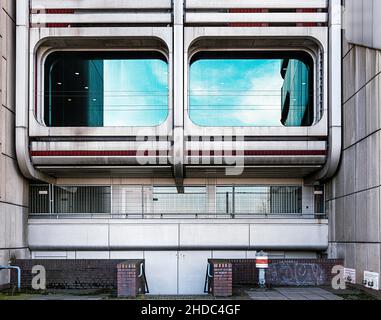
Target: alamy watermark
(338, 280)
(39, 280)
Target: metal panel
(101, 18)
(161, 271)
(101, 4)
(243, 234)
(63, 235)
(273, 17)
(292, 236)
(268, 4)
(134, 235)
(214, 235)
(191, 271)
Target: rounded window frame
(317, 103)
(39, 103)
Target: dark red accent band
(248, 24)
(57, 25)
(306, 24)
(59, 11)
(260, 153)
(85, 153)
(133, 153)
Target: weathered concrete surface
(13, 187)
(362, 22)
(353, 196)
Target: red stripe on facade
(259, 153)
(132, 153)
(59, 11)
(248, 24)
(306, 24)
(265, 24)
(57, 25)
(85, 153)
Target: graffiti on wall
(298, 274)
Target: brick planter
(71, 274)
(281, 272)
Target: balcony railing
(148, 202)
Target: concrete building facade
(160, 191)
(353, 196)
(182, 189)
(13, 186)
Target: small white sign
(371, 280)
(350, 275)
(42, 192)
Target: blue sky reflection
(135, 92)
(235, 92)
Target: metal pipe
(208, 271)
(18, 274)
(335, 117)
(22, 98)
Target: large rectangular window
(105, 89)
(49, 199)
(251, 88)
(259, 200)
(168, 201)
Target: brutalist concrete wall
(353, 196)
(362, 22)
(13, 187)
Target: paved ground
(67, 297)
(240, 293)
(291, 294)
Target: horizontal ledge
(253, 4)
(100, 18)
(98, 153)
(175, 248)
(192, 153)
(177, 221)
(101, 4)
(278, 17)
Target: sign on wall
(371, 280)
(350, 275)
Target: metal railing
(149, 202)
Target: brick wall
(129, 282)
(281, 272)
(71, 274)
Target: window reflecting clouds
(250, 89)
(103, 89)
